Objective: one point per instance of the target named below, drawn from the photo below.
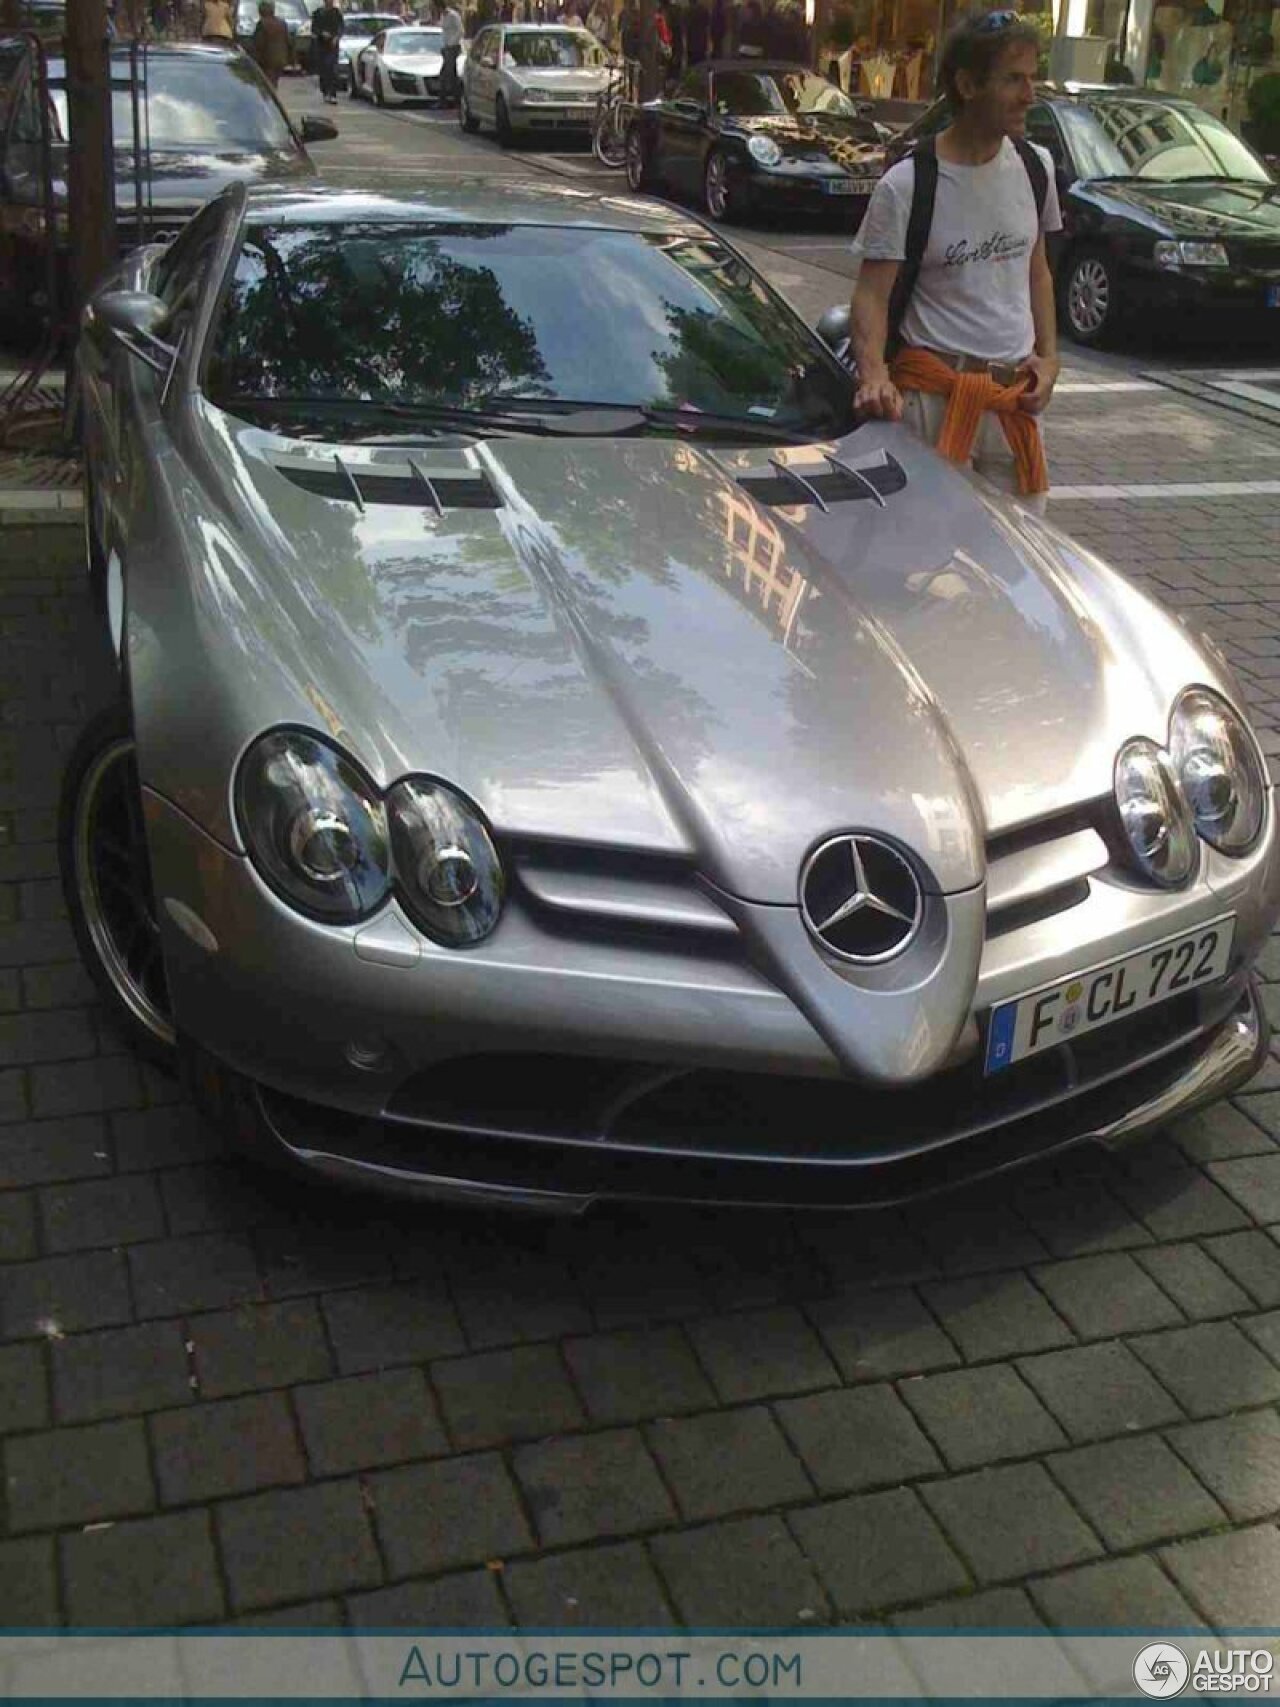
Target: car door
(367, 65)
(488, 59)
(685, 130)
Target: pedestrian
(270, 44)
(450, 20)
(218, 22)
(600, 22)
(697, 33)
(954, 327)
(326, 32)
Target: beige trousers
(992, 460)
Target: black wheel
(106, 878)
(379, 92)
(722, 200)
(353, 94)
(466, 118)
(1091, 296)
(640, 172)
(502, 124)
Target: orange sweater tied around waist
(969, 397)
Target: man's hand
(879, 399)
(1042, 373)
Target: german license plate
(1273, 296)
(1105, 993)
(850, 186)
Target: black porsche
(741, 134)
(1163, 208)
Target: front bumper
(802, 192)
(1206, 290)
(402, 87)
(559, 1068)
(533, 117)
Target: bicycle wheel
(610, 139)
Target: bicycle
(616, 106)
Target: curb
(31, 507)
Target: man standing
(450, 48)
(270, 44)
(954, 328)
(326, 33)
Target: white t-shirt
(973, 296)
(450, 28)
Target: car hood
(586, 80)
(628, 648)
(1220, 207)
(816, 136)
(176, 182)
(414, 64)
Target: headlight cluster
(764, 150)
(326, 841)
(1208, 783)
(1191, 254)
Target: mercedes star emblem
(860, 898)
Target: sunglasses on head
(994, 21)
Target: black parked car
(1163, 207)
(745, 134)
(208, 119)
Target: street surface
(227, 1396)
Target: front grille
(1246, 254)
(1043, 869)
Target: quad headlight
(1209, 783)
(764, 150)
(324, 839)
(1220, 770)
(1154, 815)
(1191, 254)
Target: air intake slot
(825, 482)
(364, 488)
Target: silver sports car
(559, 755)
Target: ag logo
(1161, 1670)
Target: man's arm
(1044, 366)
(876, 395)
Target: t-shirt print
(973, 296)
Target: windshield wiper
(634, 417)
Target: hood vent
(825, 482)
(414, 489)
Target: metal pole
(90, 166)
(648, 50)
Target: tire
(721, 200)
(353, 94)
(1091, 297)
(640, 172)
(106, 880)
(502, 124)
(466, 118)
(379, 90)
(609, 142)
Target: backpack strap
(1035, 166)
(923, 195)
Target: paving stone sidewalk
(228, 1397)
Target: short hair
(975, 45)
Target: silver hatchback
(525, 78)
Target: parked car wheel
(719, 197)
(106, 879)
(466, 118)
(502, 124)
(640, 172)
(1091, 296)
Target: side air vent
(414, 489)
(826, 481)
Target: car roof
(467, 201)
(753, 65)
(120, 53)
(1126, 92)
(543, 29)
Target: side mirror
(317, 130)
(833, 329)
(135, 319)
(689, 108)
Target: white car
(358, 30)
(522, 78)
(401, 65)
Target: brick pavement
(228, 1397)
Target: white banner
(474, 1666)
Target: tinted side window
(1042, 127)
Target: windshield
(367, 23)
(756, 94)
(1162, 144)
(367, 315)
(293, 12)
(193, 105)
(552, 50)
(413, 42)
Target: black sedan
(1163, 207)
(209, 117)
(741, 136)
